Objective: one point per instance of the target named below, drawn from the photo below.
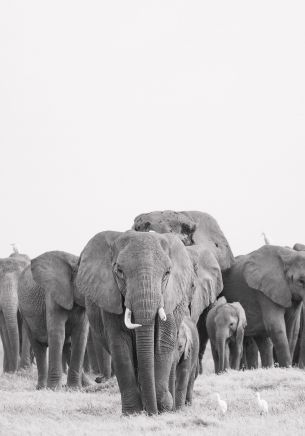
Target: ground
(97, 410)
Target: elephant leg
(292, 320)
(203, 336)
(277, 332)
(251, 352)
(56, 322)
(236, 350)
(121, 348)
(227, 357)
(215, 358)
(66, 356)
(265, 347)
(301, 351)
(182, 380)
(78, 341)
(40, 351)
(103, 358)
(5, 343)
(274, 321)
(190, 387)
(25, 349)
(172, 383)
(90, 360)
(166, 337)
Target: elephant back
(193, 227)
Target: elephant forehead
(140, 247)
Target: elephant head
(193, 228)
(277, 272)
(299, 247)
(207, 280)
(55, 272)
(142, 274)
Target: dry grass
(97, 410)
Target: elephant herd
(143, 303)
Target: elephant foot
(86, 381)
(101, 379)
(39, 386)
(165, 402)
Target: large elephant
(10, 270)
(226, 323)
(137, 287)
(208, 248)
(193, 227)
(53, 312)
(270, 285)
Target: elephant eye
(302, 282)
(166, 274)
(119, 272)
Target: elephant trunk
(143, 298)
(13, 337)
(145, 356)
(221, 350)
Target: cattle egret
(262, 404)
(15, 249)
(222, 405)
(267, 242)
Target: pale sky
(113, 108)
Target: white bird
(267, 242)
(15, 249)
(222, 404)
(262, 404)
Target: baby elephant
(186, 361)
(226, 323)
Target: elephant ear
(53, 271)
(207, 280)
(242, 322)
(264, 270)
(95, 277)
(180, 278)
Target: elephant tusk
(127, 320)
(162, 314)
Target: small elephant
(54, 313)
(187, 362)
(226, 323)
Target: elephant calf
(53, 312)
(226, 323)
(187, 362)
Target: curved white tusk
(127, 320)
(162, 314)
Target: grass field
(97, 410)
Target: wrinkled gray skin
(53, 313)
(193, 228)
(142, 272)
(226, 323)
(10, 270)
(299, 354)
(186, 362)
(199, 231)
(270, 285)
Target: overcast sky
(113, 108)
